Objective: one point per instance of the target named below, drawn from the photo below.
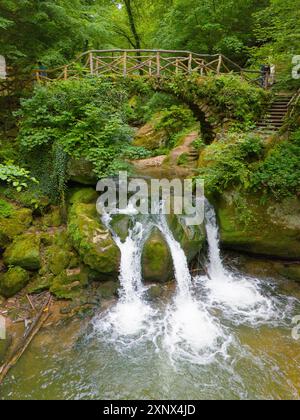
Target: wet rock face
(267, 228)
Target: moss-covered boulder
(92, 240)
(83, 196)
(13, 281)
(24, 252)
(58, 259)
(191, 238)
(14, 224)
(81, 171)
(69, 283)
(156, 259)
(109, 289)
(53, 218)
(264, 227)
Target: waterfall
(131, 314)
(240, 295)
(215, 266)
(181, 268)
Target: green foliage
(173, 121)
(51, 31)
(279, 173)
(15, 176)
(79, 119)
(135, 153)
(241, 161)
(158, 102)
(230, 162)
(278, 33)
(6, 209)
(229, 95)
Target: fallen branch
(37, 324)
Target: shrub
(80, 119)
(279, 173)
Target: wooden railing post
(125, 64)
(150, 67)
(177, 66)
(190, 63)
(219, 64)
(91, 63)
(158, 64)
(66, 73)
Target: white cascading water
(131, 314)
(188, 329)
(191, 333)
(240, 295)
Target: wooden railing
(293, 103)
(150, 63)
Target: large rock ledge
(258, 226)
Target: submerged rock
(13, 281)
(24, 252)
(270, 228)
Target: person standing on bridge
(42, 70)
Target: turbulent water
(220, 335)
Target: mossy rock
(81, 171)
(156, 259)
(109, 289)
(53, 218)
(58, 259)
(191, 238)
(69, 283)
(290, 271)
(15, 224)
(24, 252)
(83, 196)
(13, 281)
(41, 283)
(92, 240)
(154, 292)
(149, 137)
(269, 228)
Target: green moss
(109, 289)
(69, 283)
(269, 228)
(41, 283)
(6, 209)
(13, 281)
(183, 159)
(83, 196)
(53, 218)
(24, 252)
(92, 240)
(156, 259)
(15, 224)
(57, 259)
